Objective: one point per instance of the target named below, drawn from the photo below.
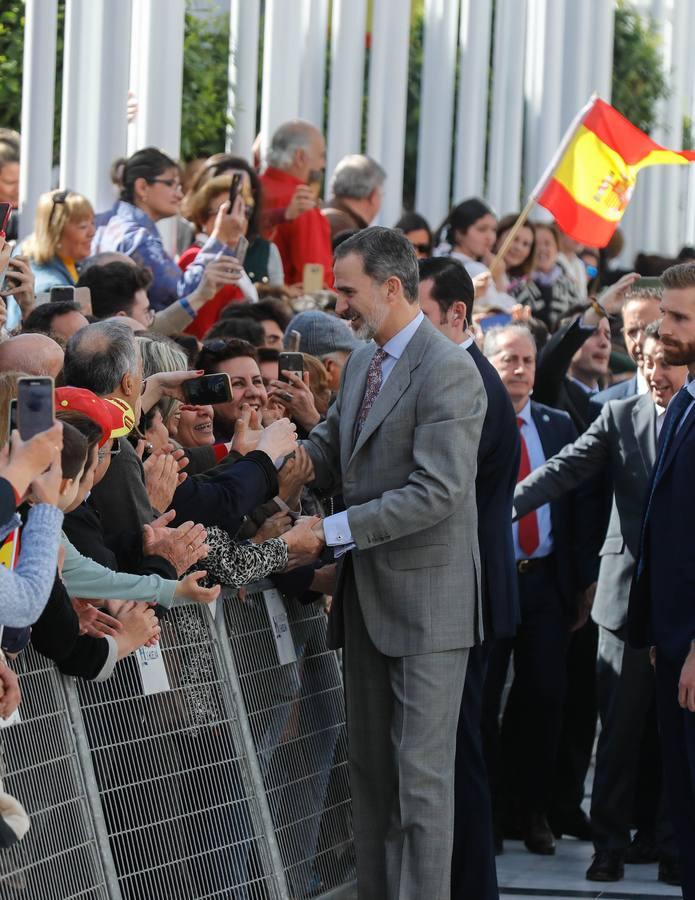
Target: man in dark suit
(622, 440)
(662, 601)
(640, 309)
(548, 579)
(446, 298)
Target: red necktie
(528, 525)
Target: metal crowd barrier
(216, 768)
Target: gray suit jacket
(409, 487)
(623, 438)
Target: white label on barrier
(14, 719)
(152, 671)
(277, 614)
(213, 609)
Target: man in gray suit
(401, 443)
(623, 438)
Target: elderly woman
(63, 232)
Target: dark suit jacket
(498, 467)
(620, 391)
(623, 441)
(555, 430)
(662, 599)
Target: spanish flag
(590, 187)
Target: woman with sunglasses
(150, 192)
(63, 232)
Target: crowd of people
(479, 471)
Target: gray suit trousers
(402, 714)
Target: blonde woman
(62, 238)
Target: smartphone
(291, 362)
(492, 321)
(12, 416)
(62, 292)
(234, 189)
(35, 405)
(5, 213)
(208, 389)
(80, 295)
(312, 278)
(294, 341)
(241, 249)
(314, 183)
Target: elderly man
(357, 189)
(623, 441)
(401, 443)
(327, 337)
(33, 354)
(549, 574)
(296, 156)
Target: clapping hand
(182, 546)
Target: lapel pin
(546, 417)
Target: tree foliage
(11, 50)
(204, 117)
(639, 80)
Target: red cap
(114, 417)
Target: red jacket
(306, 239)
(210, 313)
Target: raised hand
(302, 200)
(161, 479)
(22, 461)
(247, 431)
(182, 546)
(296, 398)
(294, 475)
(278, 439)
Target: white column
(314, 43)
(688, 221)
(156, 74)
(543, 87)
(96, 62)
(244, 16)
(282, 52)
(675, 178)
(346, 80)
(652, 181)
(38, 88)
(506, 127)
(600, 47)
(577, 75)
(435, 136)
(388, 95)
(471, 122)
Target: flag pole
(540, 186)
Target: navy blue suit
(662, 612)
(473, 859)
(521, 765)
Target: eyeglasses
(169, 182)
(58, 198)
(423, 248)
(114, 451)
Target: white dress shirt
(336, 528)
(536, 459)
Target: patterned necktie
(529, 539)
(374, 378)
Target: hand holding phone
(291, 362)
(207, 390)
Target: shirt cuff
(110, 662)
(584, 326)
(336, 529)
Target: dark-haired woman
(151, 191)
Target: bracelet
(598, 308)
(187, 306)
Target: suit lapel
(677, 440)
(644, 425)
(396, 385)
(542, 422)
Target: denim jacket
(50, 274)
(133, 232)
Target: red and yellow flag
(593, 182)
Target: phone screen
(35, 406)
(234, 189)
(208, 389)
(291, 362)
(62, 292)
(5, 213)
(12, 416)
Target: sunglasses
(114, 451)
(217, 345)
(58, 198)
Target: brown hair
(503, 226)
(319, 382)
(680, 276)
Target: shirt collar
(396, 345)
(525, 413)
(466, 344)
(129, 211)
(584, 387)
(690, 386)
(642, 386)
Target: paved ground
(523, 874)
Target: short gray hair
(493, 337)
(385, 253)
(356, 176)
(289, 137)
(99, 356)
